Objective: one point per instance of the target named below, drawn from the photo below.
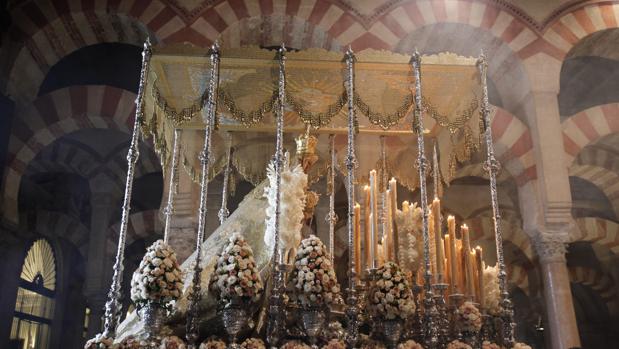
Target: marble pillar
(561, 318)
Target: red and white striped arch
(588, 126)
(603, 178)
(518, 276)
(60, 225)
(573, 26)
(144, 224)
(482, 228)
(597, 230)
(603, 285)
(55, 115)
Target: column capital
(551, 246)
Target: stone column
(103, 199)
(547, 210)
(550, 247)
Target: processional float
(445, 299)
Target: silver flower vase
(313, 322)
(234, 315)
(392, 329)
(152, 316)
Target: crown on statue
(306, 145)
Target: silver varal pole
(169, 209)
(276, 321)
(331, 216)
(223, 211)
(493, 166)
(352, 307)
(430, 312)
(113, 307)
(193, 320)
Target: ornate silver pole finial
(192, 326)
(276, 320)
(223, 211)
(169, 209)
(331, 217)
(430, 311)
(493, 166)
(113, 307)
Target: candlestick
(357, 239)
(468, 262)
(436, 213)
(432, 245)
(393, 190)
(374, 215)
(448, 276)
(460, 270)
(369, 243)
(480, 275)
(389, 243)
(451, 225)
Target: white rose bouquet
(158, 277)
(213, 343)
(295, 345)
(335, 344)
(490, 345)
(100, 342)
(492, 294)
(410, 344)
(468, 318)
(253, 343)
(236, 275)
(172, 342)
(520, 345)
(391, 297)
(313, 277)
(456, 344)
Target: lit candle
(388, 234)
(448, 277)
(461, 271)
(357, 239)
(480, 275)
(451, 225)
(374, 214)
(368, 223)
(373, 246)
(436, 213)
(393, 191)
(432, 245)
(468, 262)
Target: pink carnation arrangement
(295, 345)
(410, 344)
(468, 318)
(236, 274)
(213, 343)
(335, 344)
(313, 277)
(253, 343)
(130, 342)
(172, 342)
(100, 342)
(391, 297)
(158, 277)
(458, 345)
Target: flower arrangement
(100, 342)
(468, 318)
(158, 277)
(490, 345)
(456, 344)
(372, 344)
(172, 342)
(213, 343)
(313, 276)
(253, 343)
(520, 345)
(492, 293)
(334, 330)
(292, 203)
(130, 342)
(410, 344)
(295, 345)
(335, 344)
(409, 223)
(391, 297)
(235, 273)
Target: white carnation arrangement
(236, 274)
(100, 342)
(391, 297)
(409, 224)
(313, 278)
(335, 344)
(520, 345)
(456, 344)
(410, 344)
(492, 293)
(253, 343)
(295, 345)
(292, 204)
(490, 345)
(468, 318)
(158, 278)
(213, 343)
(172, 342)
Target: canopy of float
(315, 95)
